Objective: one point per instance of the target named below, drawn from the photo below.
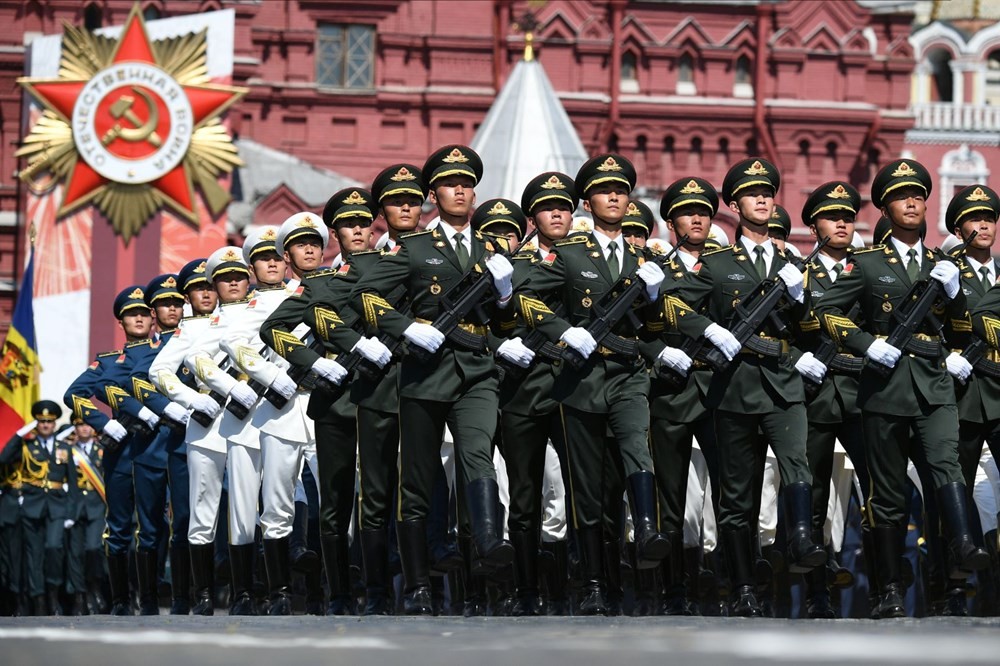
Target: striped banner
(92, 474)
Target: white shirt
(768, 246)
(990, 266)
(450, 233)
(605, 242)
(902, 248)
(49, 444)
(688, 259)
(829, 263)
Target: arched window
(629, 73)
(942, 89)
(685, 75)
(742, 79)
(992, 92)
(92, 18)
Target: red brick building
(821, 88)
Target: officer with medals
(456, 385)
(756, 393)
(608, 393)
(107, 378)
(160, 460)
(909, 412)
(85, 561)
(831, 404)
(975, 208)
(50, 494)
(677, 406)
(169, 375)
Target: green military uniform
(85, 560)
(457, 386)
(911, 412)
(49, 489)
(678, 411)
(755, 394)
(10, 539)
(529, 417)
(604, 401)
(831, 406)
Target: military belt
(44, 483)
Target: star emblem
(132, 125)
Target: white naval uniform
(287, 435)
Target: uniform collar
(749, 246)
(604, 241)
(902, 249)
(688, 259)
(828, 263)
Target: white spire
(525, 132)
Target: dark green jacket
(979, 398)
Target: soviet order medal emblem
(131, 125)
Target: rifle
(470, 292)
(751, 314)
(910, 316)
(609, 314)
(975, 354)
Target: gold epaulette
(364, 252)
(242, 301)
(320, 273)
(271, 287)
(113, 352)
(194, 316)
(527, 254)
(573, 239)
(873, 248)
(137, 343)
(711, 252)
(415, 233)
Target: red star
(134, 46)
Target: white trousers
(553, 498)
(282, 466)
(205, 472)
(244, 469)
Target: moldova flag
(19, 368)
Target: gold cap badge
(169, 283)
(230, 255)
(632, 209)
(499, 209)
(839, 192)
(269, 235)
(403, 174)
(610, 164)
(136, 293)
(455, 156)
(306, 221)
(978, 195)
(355, 199)
(200, 269)
(692, 188)
(553, 183)
(904, 169)
(756, 169)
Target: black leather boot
(613, 572)
(303, 560)
(96, 603)
(675, 600)
(556, 578)
(692, 577)
(375, 555)
(39, 606)
(870, 560)
(736, 544)
(180, 580)
(526, 573)
(645, 586)
(79, 604)
(818, 606)
(338, 573)
(491, 550)
(276, 563)
(803, 554)
(147, 569)
(203, 572)
(241, 563)
(955, 601)
(594, 600)
(55, 604)
(888, 556)
(118, 577)
(412, 538)
(651, 546)
(964, 555)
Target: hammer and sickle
(139, 131)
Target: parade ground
(444, 641)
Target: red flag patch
(847, 269)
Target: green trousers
(378, 453)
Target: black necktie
(985, 272)
(912, 267)
(613, 265)
(758, 263)
(461, 251)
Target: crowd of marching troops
(526, 409)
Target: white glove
(284, 385)
(958, 367)
(946, 273)
(674, 358)
(373, 350)
(810, 368)
(514, 351)
(202, 403)
(68, 523)
(330, 370)
(424, 336)
(723, 340)
(792, 277)
(652, 275)
(149, 418)
(243, 394)
(580, 339)
(177, 413)
(26, 428)
(115, 430)
(882, 352)
(502, 273)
